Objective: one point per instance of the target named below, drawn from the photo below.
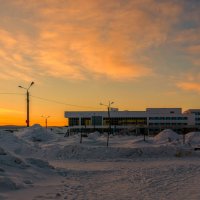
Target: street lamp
(27, 102)
(46, 117)
(108, 108)
(94, 120)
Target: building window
(73, 121)
(85, 121)
(97, 120)
(125, 121)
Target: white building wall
(164, 110)
(75, 114)
(175, 114)
(191, 119)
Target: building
(152, 120)
(196, 113)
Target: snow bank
(82, 152)
(36, 133)
(10, 141)
(39, 163)
(2, 152)
(13, 142)
(167, 136)
(193, 138)
(57, 130)
(94, 136)
(9, 159)
(7, 184)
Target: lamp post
(46, 117)
(108, 108)
(27, 102)
(94, 121)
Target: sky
(136, 53)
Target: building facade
(152, 120)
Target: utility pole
(46, 117)
(27, 103)
(109, 119)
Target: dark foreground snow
(37, 164)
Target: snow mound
(9, 159)
(12, 143)
(103, 153)
(8, 140)
(2, 152)
(193, 138)
(7, 184)
(35, 126)
(93, 136)
(167, 135)
(39, 163)
(36, 133)
(58, 130)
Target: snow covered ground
(37, 164)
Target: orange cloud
(189, 86)
(6, 110)
(196, 62)
(194, 49)
(78, 40)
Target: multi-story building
(195, 112)
(152, 120)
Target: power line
(50, 100)
(11, 93)
(58, 102)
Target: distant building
(153, 120)
(196, 113)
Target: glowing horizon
(139, 54)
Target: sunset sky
(137, 53)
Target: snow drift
(167, 136)
(193, 138)
(36, 133)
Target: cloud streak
(4, 110)
(189, 86)
(80, 41)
